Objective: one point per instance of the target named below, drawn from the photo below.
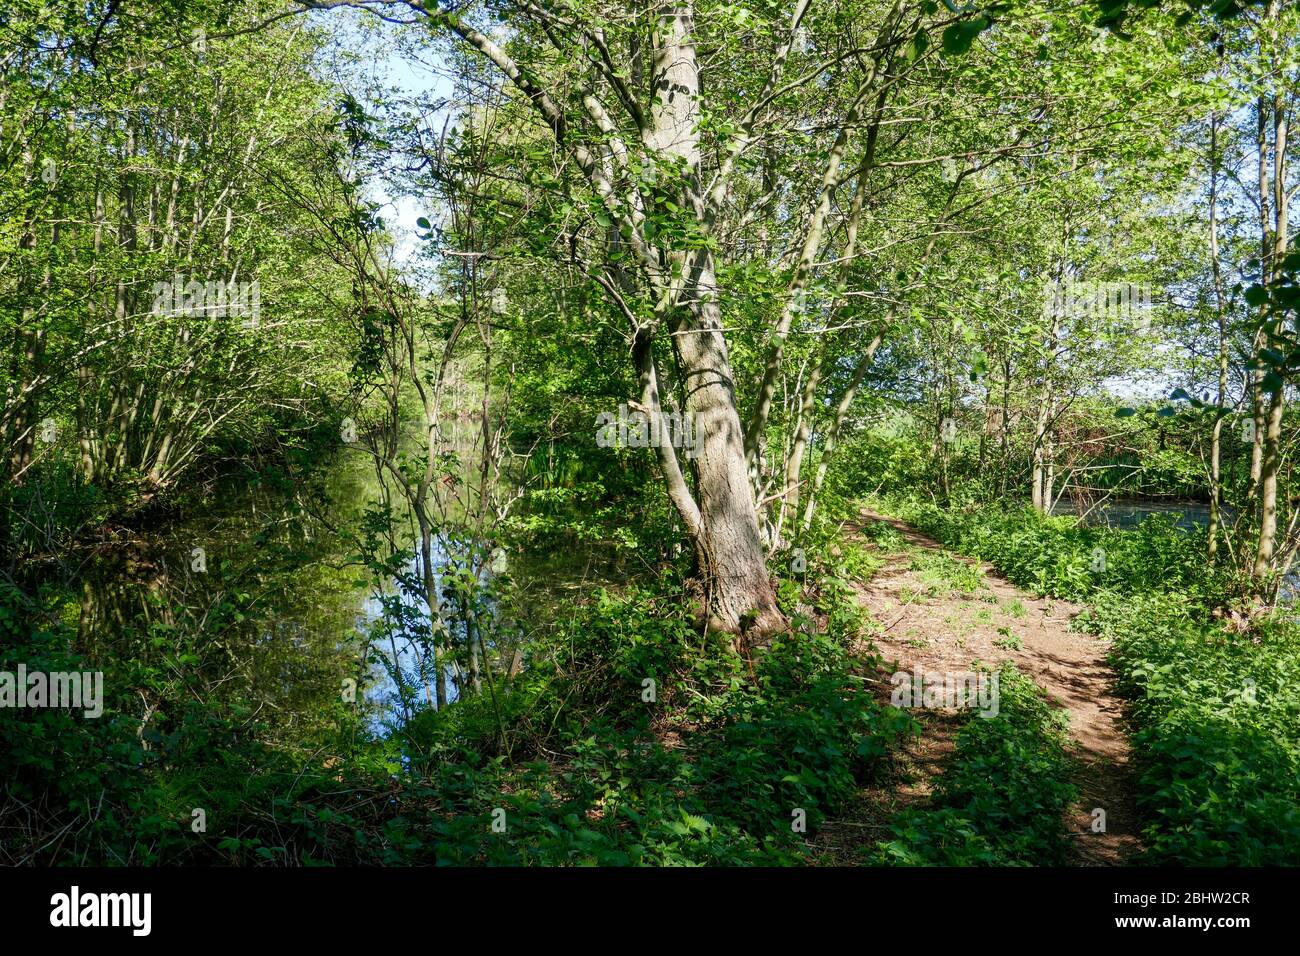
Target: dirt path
(937, 627)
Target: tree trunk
(729, 544)
(1272, 458)
(1038, 494)
(1216, 434)
(437, 627)
(683, 286)
(1273, 241)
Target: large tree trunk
(727, 539)
(730, 545)
(728, 542)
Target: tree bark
(734, 565)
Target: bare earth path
(937, 628)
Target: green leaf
(1272, 356)
(920, 43)
(957, 39)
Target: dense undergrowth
(629, 738)
(1058, 556)
(1003, 797)
(1217, 720)
(1214, 707)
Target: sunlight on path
(933, 625)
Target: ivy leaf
(1272, 356)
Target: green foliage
(943, 573)
(1007, 640)
(888, 456)
(884, 535)
(1218, 725)
(892, 327)
(584, 765)
(1002, 800)
(1215, 713)
(747, 752)
(1058, 556)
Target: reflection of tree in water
(268, 628)
(280, 621)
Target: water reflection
(402, 674)
(1131, 512)
(284, 614)
(249, 601)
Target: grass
(1002, 800)
(884, 535)
(945, 574)
(1008, 641)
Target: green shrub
(1058, 556)
(1003, 799)
(1218, 731)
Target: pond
(1131, 512)
(257, 595)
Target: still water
(1131, 512)
(259, 596)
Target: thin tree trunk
(1216, 444)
